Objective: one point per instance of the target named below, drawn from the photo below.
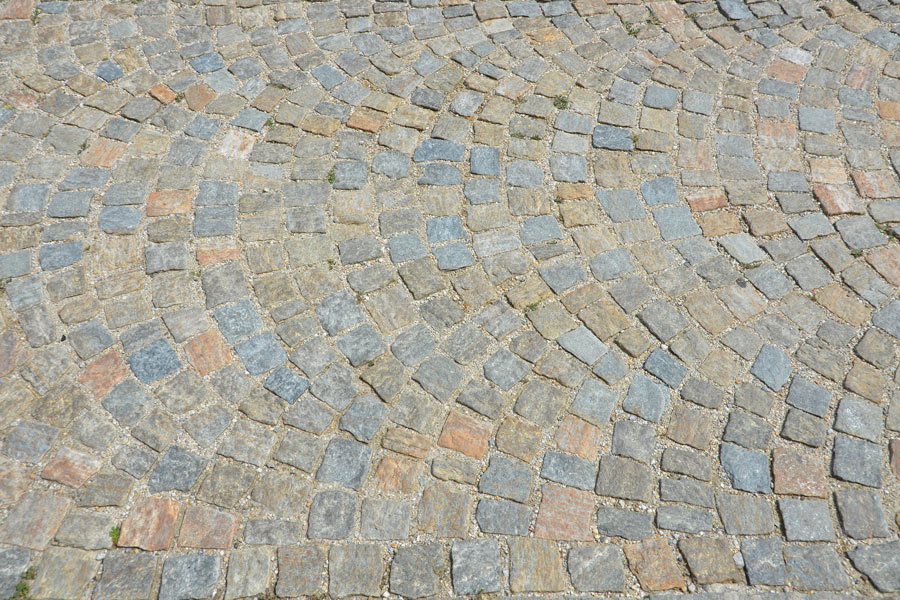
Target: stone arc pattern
(440, 298)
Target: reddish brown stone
(842, 303)
(33, 521)
(214, 256)
(837, 199)
(206, 527)
(198, 96)
(17, 9)
(876, 184)
(103, 153)
(718, 223)
(366, 120)
(150, 525)
(886, 261)
(889, 111)
(860, 76)
(798, 472)
(208, 352)
(103, 373)
(827, 170)
(786, 71)
(168, 202)
(237, 144)
(71, 468)
(162, 93)
(707, 201)
(578, 437)
(565, 514)
(777, 134)
(397, 475)
(695, 155)
(465, 434)
(654, 564)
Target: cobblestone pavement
(446, 298)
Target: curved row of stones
(444, 298)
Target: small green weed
(561, 102)
(114, 534)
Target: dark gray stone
(190, 577)
(502, 517)
(627, 524)
(331, 515)
(880, 563)
(568, 470)
(772, 367)
(857, 461)
(506, 478)
(747, 470)
(346, 462)
(177, 469)
(476, 566)
(763, 561)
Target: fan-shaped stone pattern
(430, 298)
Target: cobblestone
(423, 298)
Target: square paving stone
(772, 366)
(710, 560)
(535, 566)
(261, 353)
(859, 418)
(178, 469)
(346, 462)
(286, 384)
(28, 441)
(862, 516)
(385, 519)
(763, 561)
(676, 223)
(355, 570)
(154, 362)
(814, 568)
(661, 364)
(747, 470)
(476, 566)
(190, 577)
(506, 478)
(364, 417)
(505, 369)
(806, 520)
(597, 568)
(857, 461)
(624, 478)
(331, 515)
(745, 514)
(646, 398)
(503, 517)
(64, 573)
(34, 519)
(126, 575)
(583, 345)
(439, 376)
(416, 570)
(880, 563)
(808, 396)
